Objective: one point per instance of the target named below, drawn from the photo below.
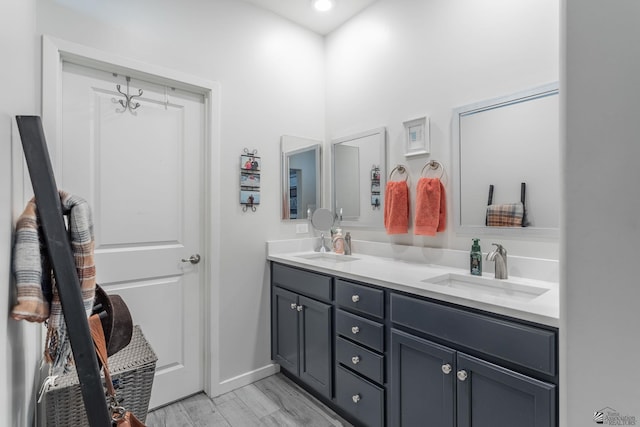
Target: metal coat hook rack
(127, 103)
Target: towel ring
(401, 169)
(433, 165)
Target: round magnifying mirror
(322, 219)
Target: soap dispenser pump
(476, 258)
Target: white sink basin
(328, 256)
(488, 286)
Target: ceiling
(302, 12)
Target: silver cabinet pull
(462, 375)
(355, 329)
(355, 360)
(356, 398)
(355, 298)
(299, 308)
(446, 369)
(293, 305)
(193, 259)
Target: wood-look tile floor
(274, 401)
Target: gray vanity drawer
(304, 282)
(363, 400)
(360, 298)
(528, 346)
(359, 329)
(361, 360)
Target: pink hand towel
(396, 207)
(431, 207)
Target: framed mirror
(358, 173)
(505, 142)
(301, 179)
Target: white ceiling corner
(302, 13)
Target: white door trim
(54, 51)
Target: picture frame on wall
(250, 163)
(417, 137)
(251, 180)
(249, 197)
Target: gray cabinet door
(492, 396)
(284, 329)
(422, 394)
(316, 345)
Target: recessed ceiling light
(323, 5)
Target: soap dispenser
(338, 242)
(476, 258)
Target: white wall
(271, 77)
(19, 72)
(601, 301)
(402, 59)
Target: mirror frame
(538, 92)
(290, 145)
(381, 134)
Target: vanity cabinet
(360, 352)
(382, 357)
(444, 383)
(302, 327)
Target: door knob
(193, 259)
(462, 375)
(446, 368)
(293, 305)
(355, 360)
(355, 330)
(299, 308)
(355, 298)
(356, 398)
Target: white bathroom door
(141, 171)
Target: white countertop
(412, 276)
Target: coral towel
(396, 207)
(431, 207)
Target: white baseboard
(245, 379)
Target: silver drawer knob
(462, 375)
(355, 360)
(355, 298)
(293, 305)
(446, 369)
(299, 308)
(356, 398)
(355, 329)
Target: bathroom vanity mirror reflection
(300, 176)
(354, 159)
(505, 142)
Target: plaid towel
(506, 215)
(38, 298)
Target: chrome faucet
(499, 255)
(323, 246)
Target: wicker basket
(132, 371)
